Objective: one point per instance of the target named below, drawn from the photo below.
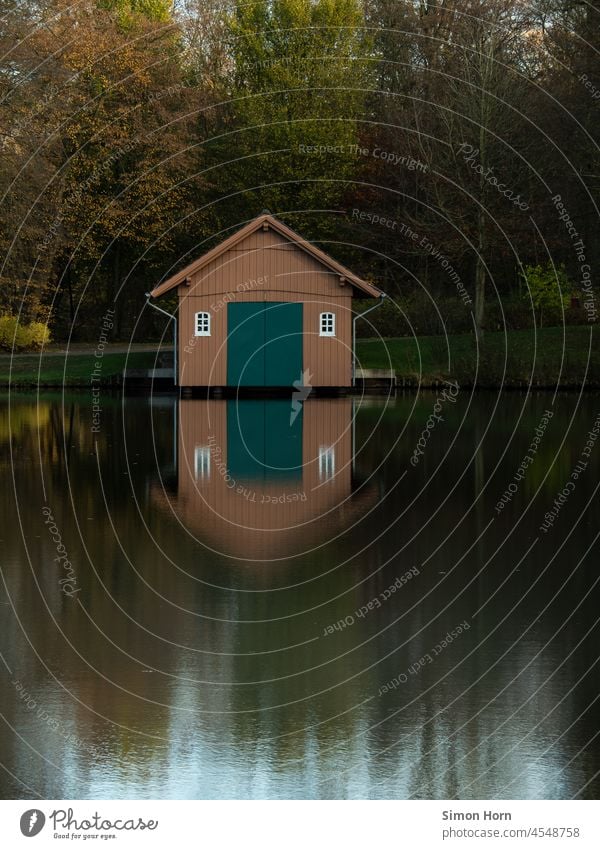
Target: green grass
(427, 360)
(559, 354)
(74, 370)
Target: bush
(39, 334)
(549, 290)
(386, 320)
(8, 330)
(22, 337)
(415, 312)
(429, 315)
(513, 313)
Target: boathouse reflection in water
(259, 479)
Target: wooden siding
(265, 254)
(264, 267)
(291, 239)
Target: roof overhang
(267, 221)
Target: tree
(27, 105)
(101, 151)
(487, 94)
(121, 165)
(570, 114)
(296, 74)
(456, 82)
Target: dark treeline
(423, 144)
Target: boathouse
(265, 308)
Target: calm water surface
(209, 600)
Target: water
(201, 600)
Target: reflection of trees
(21, 419)
(514, 420)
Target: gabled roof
(289, 234)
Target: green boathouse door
(264, 343)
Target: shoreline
(553, 358)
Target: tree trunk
(479, 263)
(70, 288)
(480, 276)
(116, 280)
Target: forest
(447, 151)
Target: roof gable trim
(265, 222)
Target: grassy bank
(76, 369)
(553, 355)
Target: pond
(341, 598)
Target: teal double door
(264, 343)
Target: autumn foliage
(135, 133)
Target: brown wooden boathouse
(265, 308)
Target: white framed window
(202, 462)
(327, 324)
(326, 462)
(202, 324)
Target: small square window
(327, 324)
(202, 324)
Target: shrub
(386, 320)
(39, 334)
(513, 313)
(22, 337)
(8, 327)
(549, 290)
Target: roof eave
(178, 278)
